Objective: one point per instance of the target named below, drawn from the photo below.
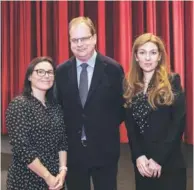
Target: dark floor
(125, 175)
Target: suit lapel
(72, 74)
(97, 76)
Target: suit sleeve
(176, 129)
(19, 132)
(132, 135)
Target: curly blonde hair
(160, 93)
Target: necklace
(146, 81)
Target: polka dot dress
(35, 131)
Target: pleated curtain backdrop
(38, 28)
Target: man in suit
(89, 88)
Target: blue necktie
(83, 90)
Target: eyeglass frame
(48, 73)
(83, 39)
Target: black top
(157, 133)
(141, 111)
(35, 131)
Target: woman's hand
(142, 164)
(51, 180)
(155, 168)
(61, 179)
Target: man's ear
(95, 38)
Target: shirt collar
(90, 62)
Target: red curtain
(35, 28)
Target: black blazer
(101, 115)
(162, 141)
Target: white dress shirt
(90, 68)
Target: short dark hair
(27, 90)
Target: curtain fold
(101, 30)
(4, 88)
(178, 38)
(151, 16)
(189, 69)
(163, 26)
(40, 28)
(124, 46)
(62, 40)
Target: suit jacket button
(84, 116)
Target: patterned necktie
(83, 90)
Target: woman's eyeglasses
(42, 72)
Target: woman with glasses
(155, 117)
(37, 132)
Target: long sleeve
(132, 135)
(176, 129)
(19, 131)
(63, 144)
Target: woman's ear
(136, 59)
(159, 57)
(29, 78)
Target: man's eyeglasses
(42, 72)
(83, 39)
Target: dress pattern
(35, 131)
(141, 111)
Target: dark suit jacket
(162, 141)
(101, 115)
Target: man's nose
(79, 42)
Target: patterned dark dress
(35, 131)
